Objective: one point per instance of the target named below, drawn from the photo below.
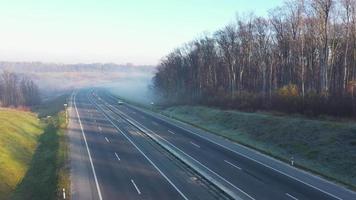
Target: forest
(299, 59)
(16, 91)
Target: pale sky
(120, 31)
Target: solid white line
(171, 132)
(232, 164)
(149, 160)
(107, 139)
(195, 144)
(245, 156)
(117, 156)
(133, 182)
(90, 159)
(291, 196)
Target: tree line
(17, 91)
(301, 58)
(40, 67)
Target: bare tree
(14, 92)
(322, 9)
(305, 49)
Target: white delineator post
(65, 108)
(292, 161)
(64, 193)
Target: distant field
(325, 147)
(19, 134)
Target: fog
(134, 89)
(127, 81)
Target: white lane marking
(171, 132)
(195, 144)
(107, 140)
(245, 156)
(149, 160)
(291, 196)
(90, 159)
(232, 164)
(117, 156)
(99, 127)
(154, 123)
(234, 186)
(133, 183)
(213, 172)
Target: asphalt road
(249, 173)
(111, 159)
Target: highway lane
(82, 179)
(110, 159)
(130, 178)
(258, 181)
(192, 185)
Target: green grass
(324, 147)
(63, 158)
(34, 152)
(19, 134)
(44, 179)
(51, 107)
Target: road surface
(110, 159)
(124, 152)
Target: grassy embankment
(324, 147)
(33, 152)
(19, 132)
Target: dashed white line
(149, 160)
(171, 132)
(118, 158)
(259, 162)
(107, 140)
(100, 128)
(195, 144)
(193, 159)
(133, 183)
(232, 164)
(291, 196)
(154, 123)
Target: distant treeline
(16, 91)
(302, 58)
(81, 67)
